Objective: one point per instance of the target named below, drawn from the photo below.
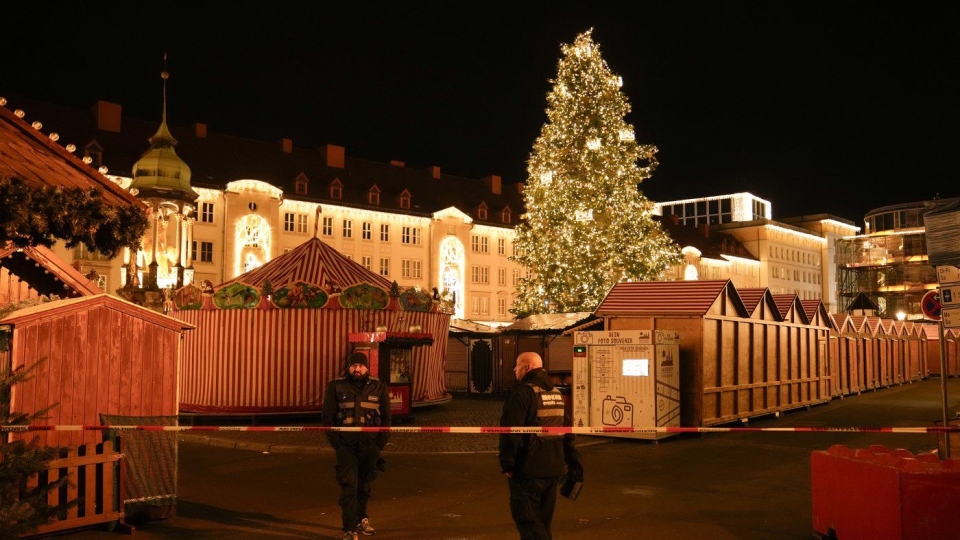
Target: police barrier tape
(493, 429)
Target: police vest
(550, 409)
(358, 409)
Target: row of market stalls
(743, 352)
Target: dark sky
(819, 107)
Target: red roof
(314, 263)
(28, 154)
(693, 298)
(751, 297)
(44, 272)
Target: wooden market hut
(473, 358)
(269, 340)
(550, 336)
(733, 366)
(97, 355)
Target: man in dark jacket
(534, 463)
(356, 400)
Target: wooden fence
(93, 482)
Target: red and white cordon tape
(494, 429)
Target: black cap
(358, 358)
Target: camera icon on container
(616, 411)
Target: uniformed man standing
(534, 463)
(356, 400)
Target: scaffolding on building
(891, 269)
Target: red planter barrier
(880, 494)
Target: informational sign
(627, 379)
(930, 305)
(951, 317)
(948, 274)
(950, 295)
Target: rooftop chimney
(287, 145)
(333, 154)
(108, 116)
(396, 163)
(493, 181)
(200, 130)
(434, 171)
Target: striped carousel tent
(269, 340)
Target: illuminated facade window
(206, 212)
(501, 306)
(481, 274)
(205, 255)
(478, 244)
(367, 262)
(410, 235)
(384, 266)
(411, 268)
(384, 232)
(516, 278)
(348, 228)
(367, 232)
(502, 277)
(501, 246)
(328, 226)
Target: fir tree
(23, 509)
(587, 225)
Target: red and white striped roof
(667, 298)
(314, 263)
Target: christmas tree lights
(587, 225)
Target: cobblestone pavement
(470, 410)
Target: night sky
(819, 107)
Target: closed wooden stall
(97, 355)
(735, 362)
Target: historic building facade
(223, 205)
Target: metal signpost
(942, 224)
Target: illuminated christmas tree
(587, 225)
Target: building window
(481, 274)
(516, 277)
(501, 306)
(410, 236)
(301, 188)
(206, 212)
(367, 231)
(373, 196)
(482, 212)
(336, 190)
(479, 244)
(206, 252)
(384, 232)
(410, 268)
(384, 266)
(294, 222)
(502, 277)
(501, 246)
(480, 305)
(405, 199)
(347, 228)
(506, 216)
(328, 226)
(367, 262)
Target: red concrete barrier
(881, 494)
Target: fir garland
(40, 215)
